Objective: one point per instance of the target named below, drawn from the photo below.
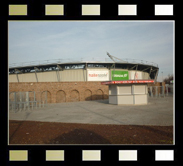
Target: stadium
(67, 81)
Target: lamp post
(162, 76)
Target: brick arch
(74, 96)
(60, 96)
(100, 94)
(88, 94)
(43, 96)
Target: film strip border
(90, 155)
(89, 10)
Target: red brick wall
(64, 91)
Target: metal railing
(158, 91)
(19, 101)
(20, 106)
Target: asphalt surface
(159, 112)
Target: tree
(168, 79)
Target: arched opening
(46, 96)
(88, 95)
(100, 94)
(60, 96)
(74, 96)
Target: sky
(151, 41)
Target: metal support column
(17, 77)
(156, 76)
(156, 91)
(151, 91)
(58, 73)
(36, 76)
(35, 68)
(150, 73)
(163, 92)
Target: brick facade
(64, 91)
(58, 92)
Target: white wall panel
(113, 99)
(13, 78)
(73, 75)
(122, 90)
(140, 99)
(139, 89)
(50, 76)
(112, 90)
(125, 99)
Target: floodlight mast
(112, 57)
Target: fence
(19, 101)
(158, 91)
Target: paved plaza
(159, 112)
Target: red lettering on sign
(127, 82)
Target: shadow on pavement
(104, 101)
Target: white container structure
(128, 92)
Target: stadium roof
(151, 68)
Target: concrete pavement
(159, 111)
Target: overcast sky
(46, 40)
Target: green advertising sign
(119, 75)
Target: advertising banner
(135, 75)
(119, 75)
(97, 75)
